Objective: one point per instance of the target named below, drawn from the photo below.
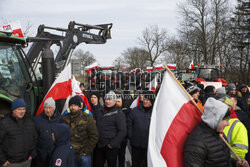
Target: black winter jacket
(44, 125)
(138, 126)
(17, 139)
(96, 110)
(205, 148)
(111, 125)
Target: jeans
(83, 161)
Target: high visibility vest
(236, 134)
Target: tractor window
(13, 77)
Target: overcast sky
(129, 18)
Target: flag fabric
(15, 27)
(153, 84)
(173, 118)
(88, 69)
(149, 68)
(77, 91)
(159, 67)
(171, 66)
(135, 103)
(60, 89)
(191, 65)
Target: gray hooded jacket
(214, 111)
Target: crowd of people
(80, 137)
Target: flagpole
(190, 97)
(223, 139)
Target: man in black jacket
(44, 124)
(204, 147)
(111, 125)
(17, 137)
(138, 129)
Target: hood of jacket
(62, 133)
(214, 111)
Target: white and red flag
(60, 89)
(153, 84)
(191, 65)
(77, 91)
(159, 67)
(135, 103)
(15, 27)
(149, 68)
(88, 69)
(173, 118)
(171, 66)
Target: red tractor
(209, 74)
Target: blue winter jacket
(138, 126)
(45, 144)
(64, 154)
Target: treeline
(209, 33)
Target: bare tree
(86, 58)
(154, 41)
(179, 53)
(135, 58)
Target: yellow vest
(236, 134)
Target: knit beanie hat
(150, 96)
(231, 86)
(221, 90)
(75, 100)
(111, 96)
(96, 94)
(81, 85)
(17, 103)
(50, 102)
(192, 90)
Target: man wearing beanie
(111, 125)
(84, 135)
(138, 129)
(194, 91)
(44, 124)
(204, 147)
(17, 137)
(96, 107)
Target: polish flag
(135, 103)
(153, 84)
(173, 118)
(159, 67)
(149, 68)
(77, 91)
(171, 66)
(60, 89)
(191, 65)
(88, 69)
(15, 27)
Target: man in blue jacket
(43, 124)
(64, 154)
(138, 129)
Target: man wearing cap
(111, 125)
(84, 135)
(204, 147)
(44, 124)
(138, 129)
(17, 137)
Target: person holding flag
(204, 147)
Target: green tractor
(30, 76)
(15, 78)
